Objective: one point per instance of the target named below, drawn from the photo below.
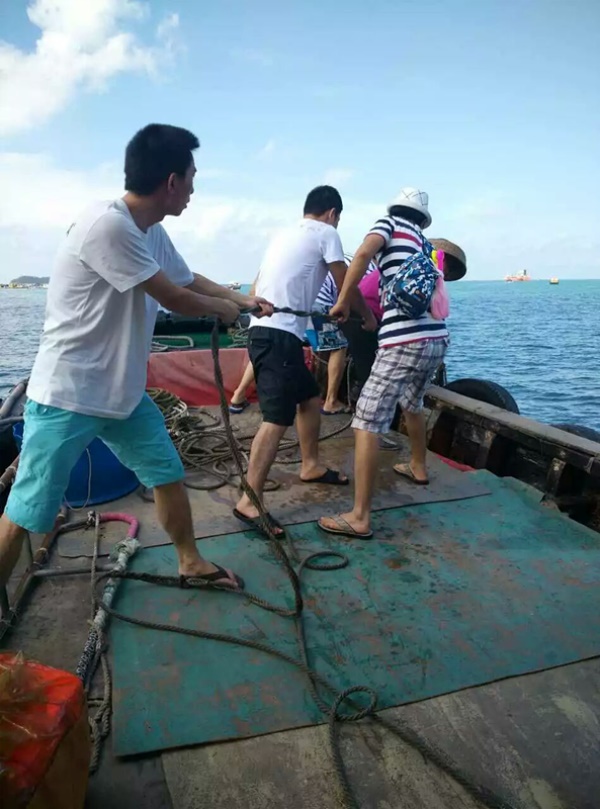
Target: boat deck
(533, 739)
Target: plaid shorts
(400, 376)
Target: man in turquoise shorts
(114, 267)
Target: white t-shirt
(96, 340)
(293, 271)
(162, 249)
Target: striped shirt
(402, 240)
(328, 295)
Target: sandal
(256, 524)
(335, 412)
(331, 476)
(405, 471)
(344, 529)
(221, 579)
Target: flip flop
(256, 524)
(221, 579)
(335, 412)
(239, 408)
(331, 476)
(409, 475)
(344, 529)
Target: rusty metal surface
(447, 596)
(297, 502)
(532, 740)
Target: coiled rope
(315, 680)
(204, 446)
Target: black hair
(322, 199)
(416, 217)
(155, 152)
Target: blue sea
(541, 342)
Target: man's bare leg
(308, 424)
(365, 474)
(262, 454)
(335, 372)
(175, 515)
(239, 394)
(11, 542)
(416, 427)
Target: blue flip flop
(236, 409)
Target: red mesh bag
(40, 708)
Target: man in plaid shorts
(410, 351)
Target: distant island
(28, 282)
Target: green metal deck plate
(447, 596)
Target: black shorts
(282, 379)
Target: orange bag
(44, 736)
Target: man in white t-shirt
(291, 274)
(116, 265)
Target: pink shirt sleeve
(369, 286)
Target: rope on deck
(288, 560)
(204, 445)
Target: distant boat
(520, 276)
(234, 285)
(554, 280)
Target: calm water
(541, 342)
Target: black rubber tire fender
(580, 430)
(484, 390)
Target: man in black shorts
(292, 272)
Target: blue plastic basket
(109, 478)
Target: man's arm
(186, 301)
(355, 298)
(360, 263)
(204, 286)
(355, 273)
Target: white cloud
(337, 176)
(82, 45)
(221, 237)
(225, 237)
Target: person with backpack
(412, 344)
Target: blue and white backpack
(411, 289)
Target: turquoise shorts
(53, 441)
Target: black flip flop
(214, 580)
(256, 524)
(410, 475)
(329, 476)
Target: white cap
(415, 199)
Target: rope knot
(360, 714)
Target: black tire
(580, 430)
(483, 390)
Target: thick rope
(99, 723)
(333, 710)
(203, 444)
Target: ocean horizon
(539, 341)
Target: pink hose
(119, 516)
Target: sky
(491, 106)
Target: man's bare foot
(321, 474)
(247, 511)
(416, 473)
(335, 407)
(196, 567)
(347, 525)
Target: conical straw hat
(455, 266)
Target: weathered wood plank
(547, 440)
